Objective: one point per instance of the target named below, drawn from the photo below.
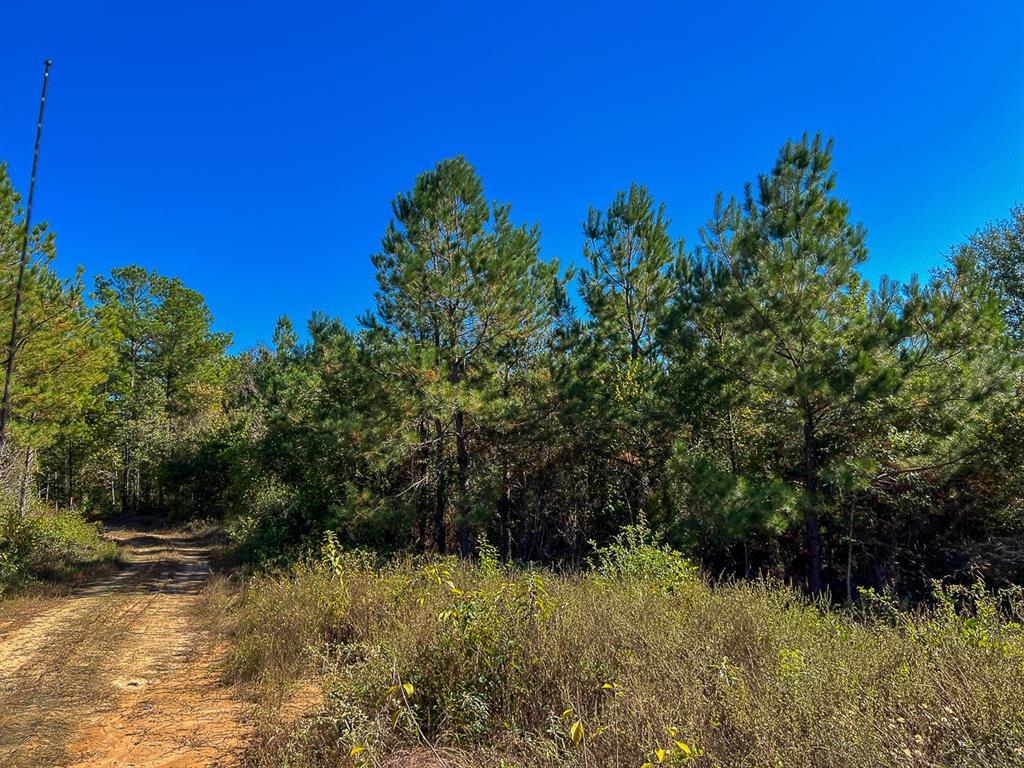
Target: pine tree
(462, 292)
(165, 374)
(999, 250)
(625, 286)
(799, 330)
(59, 355)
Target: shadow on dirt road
(118, 672)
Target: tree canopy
(753, 398)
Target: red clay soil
(119, 673)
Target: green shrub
(632, 557)
(264, 533)
(47, 544)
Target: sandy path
(118, 673)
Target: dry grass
(451, 664)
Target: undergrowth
(637, 662)
(49, 545)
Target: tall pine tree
(462, 291)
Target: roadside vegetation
(768, 409)
(718, 503)
(637, 661)
(47, 545)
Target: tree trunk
(126, 479)
(25, 474)
(849, 560)
(814, 583)
(504, 514)
(422, 473)
(462, 457)
(440, 497)
(70, 481)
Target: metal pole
(12, 346)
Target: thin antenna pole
(12, 346)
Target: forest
(714, 503)
(749, 397)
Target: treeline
(752, 396)
(106, 385)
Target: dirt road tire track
(118, 674)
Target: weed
(491, 665)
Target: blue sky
(253, 149)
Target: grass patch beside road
(638, 662)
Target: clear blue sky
(253, 149)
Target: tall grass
(640, 662)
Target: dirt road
(118, 673)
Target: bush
(48, 544)
(632, 557)
(499, 666)
(266, 531)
